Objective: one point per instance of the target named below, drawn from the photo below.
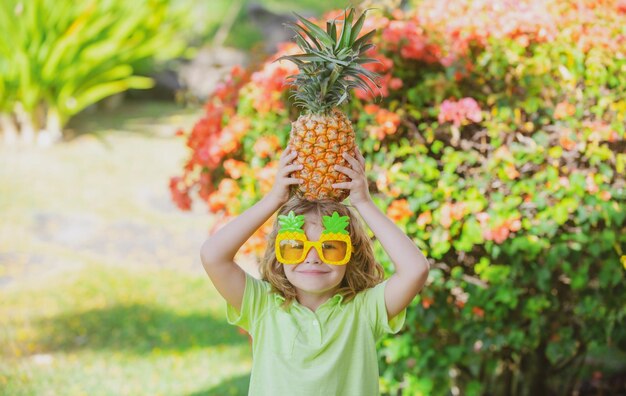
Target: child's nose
(312, 256)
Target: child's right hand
(280, 190)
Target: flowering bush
(499, 146)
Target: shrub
(500, 148)
(58, 57)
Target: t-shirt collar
(333, 301)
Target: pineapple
(330, 67)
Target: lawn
(101, 288)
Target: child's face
(313, 275)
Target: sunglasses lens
(291, 249)
(334, 251)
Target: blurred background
(131, 130)
(101, 286)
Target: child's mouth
(312, 272)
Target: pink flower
(459, 113)
(592, 187)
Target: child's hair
(362, 271)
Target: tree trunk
(53, 131)
(536, 368)
(9, 129)
(27, 122)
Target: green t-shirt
(299, 352)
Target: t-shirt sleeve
(374, 305)
(254, 303)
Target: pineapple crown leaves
(331, 65)
(291, 223)
(335, 224)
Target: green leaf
(316, 31)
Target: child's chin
(316, 282)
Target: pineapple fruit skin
(320, 141)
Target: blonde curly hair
(362, 271)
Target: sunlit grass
(101, 288)
(108, 330)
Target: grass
(101, 289)
(104, 331)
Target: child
(322, 303)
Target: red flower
(478, 311)
(180, 193)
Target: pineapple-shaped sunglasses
(334, 246)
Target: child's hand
(280, 190)
(358, 186)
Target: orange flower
(566, 141)
(513, 224)
(227, 191)
(371, 109)
(388, 120)
(234, 168)
(399, 210)
(500, 233)
(458, 210)
(239, 126)
(388, 123)
(230, 137)
(229, 187)
(511, 171)
(424, 218)
(452, 211)
(427, 302)
(605, 195)
(266, 146)
(266, 176)
(564, 110)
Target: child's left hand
(358, 186)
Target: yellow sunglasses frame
(316, 244)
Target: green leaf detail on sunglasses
(335, 224)
(291, 223)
